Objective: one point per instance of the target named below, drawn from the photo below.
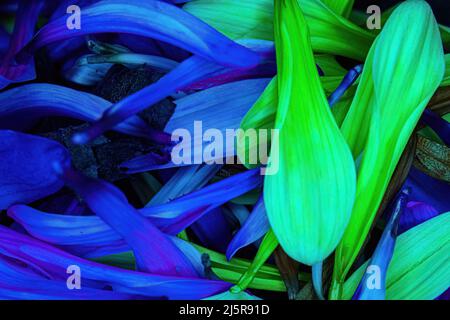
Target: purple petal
(54, 262)
(172, 217)
(153, 251)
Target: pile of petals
(350, 199)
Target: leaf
(268, 245)
(342, 7)
(330, 32)
(309, 199)
(384, 113)
(251, 19)
(420, 264)
(446, 81)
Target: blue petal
(439, 125)
(379, 263)
(221, 107)
(254, 228)
(26, 18)
(98, 238)
(185, 180)
(188, 72)
(154, 252)
(416, 213)
(153, 19)
(428, 190)
(213, 230)
(26, 173)
(348, 80)
(42, 100)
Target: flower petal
(254, 228)
(309, 199)
(384, 113)
(153, 19)
(154, 252)
(26, 173)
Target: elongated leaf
(420, 264)
(446, 81)
(268, 245)
(342, 7)
(330, 32)
(384, 113)
(309, 199)
(262, 113)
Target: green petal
(237, 19)
(309, 199)
(420, 264)
(263, 112)
(341, 7)
(403, 70)
(446, 81)
(330, 32)
(268, 245)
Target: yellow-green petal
(330, 32)
(403, 70)
(309, 199)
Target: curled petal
(153, 19)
